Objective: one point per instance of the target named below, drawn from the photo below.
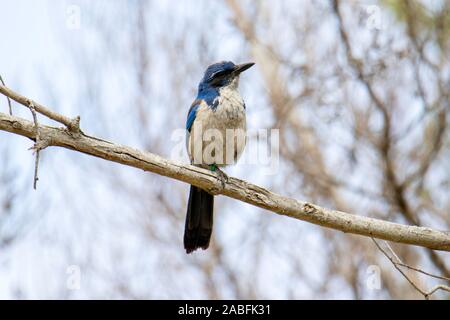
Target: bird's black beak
(242, 67)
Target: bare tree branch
(9, 100)
(422, 271)
(72, 124)
(36, 145)
(234, 188)
(426, 294)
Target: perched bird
(215, 137)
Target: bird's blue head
(223, 73)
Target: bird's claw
(220, 174)
(223, 177)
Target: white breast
(227, 125)
(231, 111)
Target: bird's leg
(223, 177)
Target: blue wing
(192, 114)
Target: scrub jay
(215, 137)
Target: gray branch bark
(71, 137)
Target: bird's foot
(223, 177)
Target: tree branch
(397, 262)
(207, 180)
(72, 124)
(9, 100)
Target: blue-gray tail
(199, 220)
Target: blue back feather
(192, 114)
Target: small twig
(436, 288)
(36, 164)
(35, 147)
(393, 252)
(38, 145)
(400, 263)
(73, 125)
(400, 270)
(422, 271)
(9, 100)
